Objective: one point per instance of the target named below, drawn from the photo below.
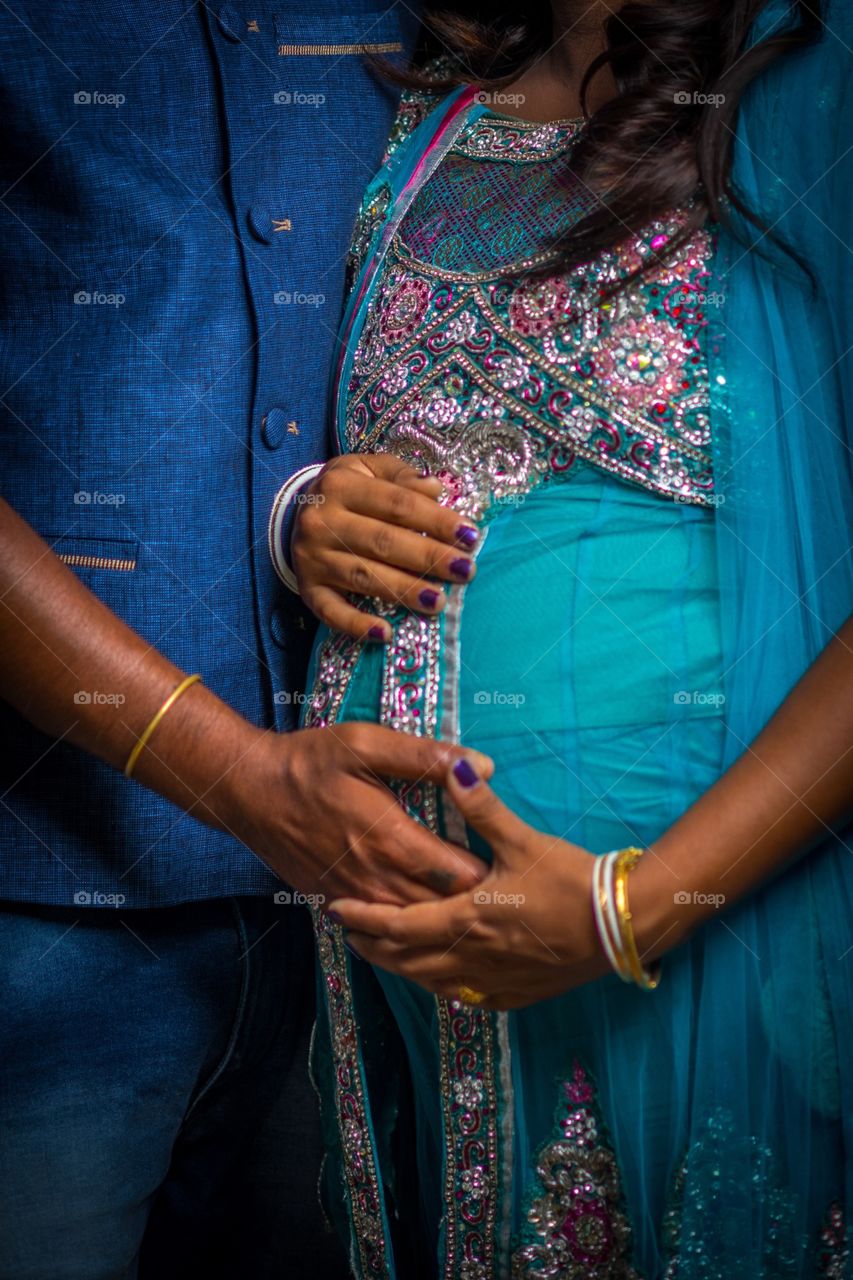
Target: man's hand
(525, 933)
(313, 804)
(370, 524)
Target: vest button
(274, 427)
(229, 23)
(260, 224)
(278, 631)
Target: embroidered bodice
(498, 379)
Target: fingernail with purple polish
(461, 568)
(464, 774)
(466, 536)
(429, 599)
(376, 633)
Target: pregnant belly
(586, 661)
(590, 659)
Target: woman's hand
(370, 524)
(525, 933)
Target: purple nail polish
(428, 598)
(464, 774)
(376, 633)
(466, 536)
(335, 917)
(461, 568)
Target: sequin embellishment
(833, 1252)
(709, 1205)
(336, 662)
(411, 703)
(456, 335)
(577, 1225)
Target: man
(178, 189)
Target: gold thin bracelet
(153, 723)
(648, 979)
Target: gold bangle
(153, 723)
(648, 979)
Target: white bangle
(281, 502)
(603, 865)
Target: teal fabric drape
(719, 1107)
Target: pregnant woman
(627, 580)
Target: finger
(432, 969)
(386, 753)
(397, 861)
(442, 867)
(348, 572)
(333, 608)
(388, 886)
(483, 811)
(388, 544)
(430, 485)
(374, 918)
(402, 505)
(388, 467)
(438, 925)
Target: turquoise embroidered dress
(610, 1133)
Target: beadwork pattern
(336, 662)
(549, 368)
(577, 1225)
(709, 1189)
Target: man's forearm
(58, 641)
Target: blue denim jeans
(156, 1116)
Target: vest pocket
(112, 555)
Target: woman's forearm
(791, 786)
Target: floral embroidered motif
(495, 137)
(709, 1205)
(407, 303)
(833, 1252)
(566, 365)
(370, 217)
(411, 704)
(578, 1229)
(471, 1137)
(336, 662)
(351, 1105)
(416, 104)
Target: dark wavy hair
(665, 141)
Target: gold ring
(469, 996)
